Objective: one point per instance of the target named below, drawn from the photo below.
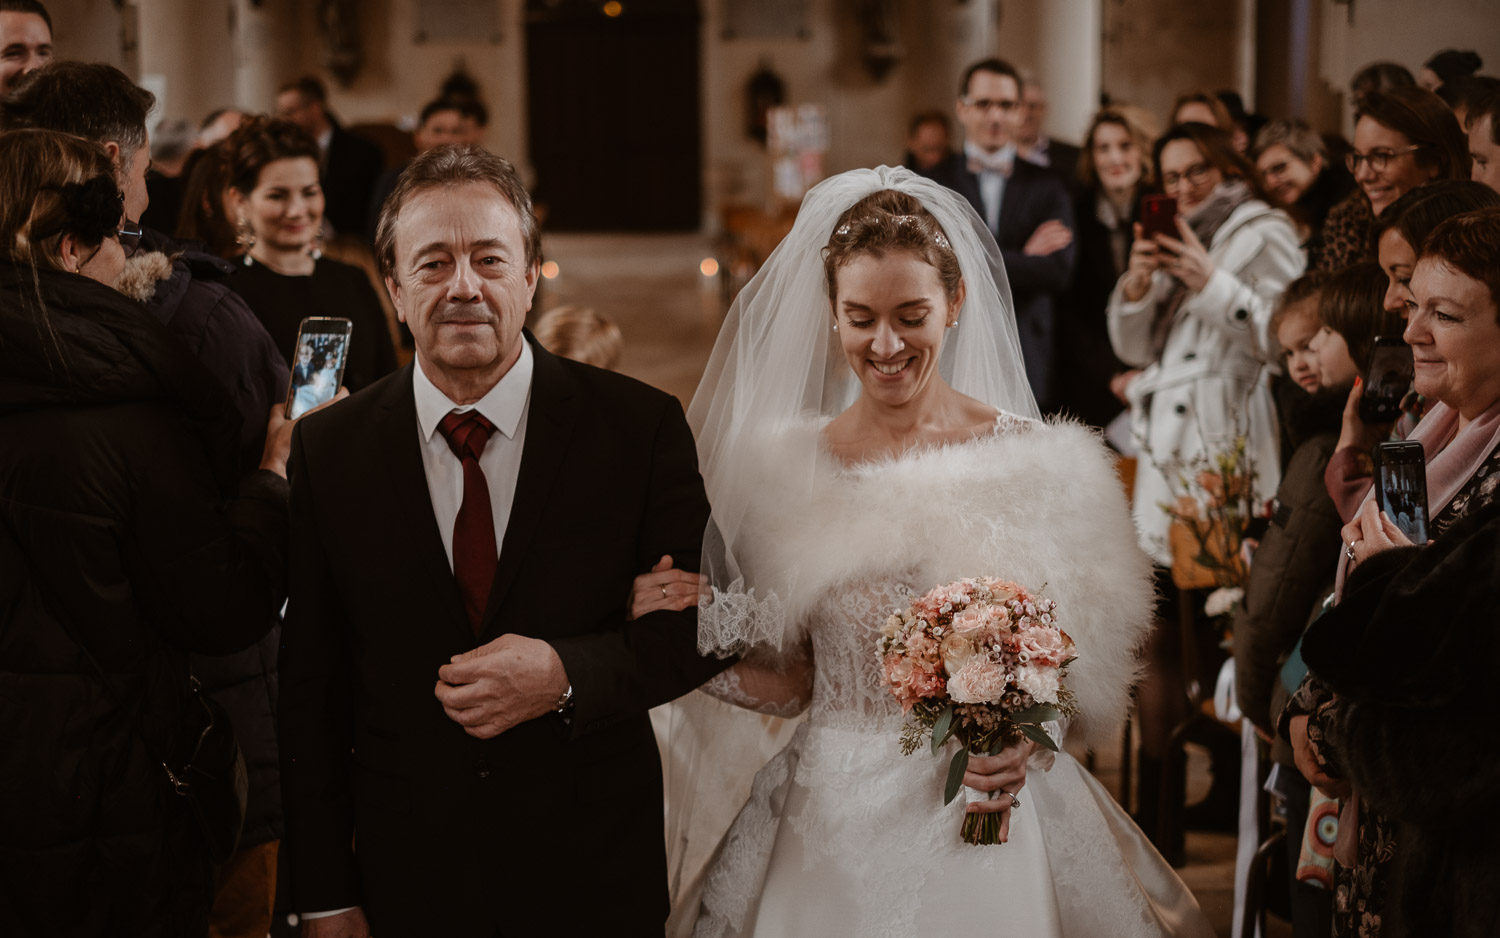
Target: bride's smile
(891, 314)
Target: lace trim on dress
(734, 621)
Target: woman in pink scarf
(1454, 331)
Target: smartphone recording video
(318, 369)
(1401, 474)
(1159, 216)
(1389, 379)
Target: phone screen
(1390, 371)
(318, 367)
(1159, 216)
(1402, 469)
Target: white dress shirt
(505, 406)
(991, 184)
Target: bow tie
(1001, 161)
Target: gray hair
(1301, 140)
(446, 167)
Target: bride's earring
(953, 324)
(835, 327)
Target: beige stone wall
(1154, 50)
(1403, 31)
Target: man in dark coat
(351, 164)
(1025, 206)
(465, 740)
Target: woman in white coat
(1193, 314)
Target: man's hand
(1049, 237)
(500, 685)
(347, 924)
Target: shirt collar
(504, 405)
(972, 150)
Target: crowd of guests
(144, 477)
(1247, 325)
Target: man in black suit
(351, 164)
(1025, 206)
(489, 495)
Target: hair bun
(93, 208)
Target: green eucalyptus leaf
(1039, 713)
(1039, 736)
(942, 728)
(956, 770)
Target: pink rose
(972, 619)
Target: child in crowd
(582, 334)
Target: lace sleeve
(779, 685)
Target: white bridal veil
(776, 361)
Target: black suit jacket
(350, 169)
(1033, 195)
(554, 827)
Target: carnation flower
(980, 680)
(1040, 682)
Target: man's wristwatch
(565, 702)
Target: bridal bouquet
(981, 660)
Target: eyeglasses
(1378, 159)
(130, 238)
(1195, 174)
(993, 104)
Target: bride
(866, 433)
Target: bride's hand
(1005, 772)
(665, 588)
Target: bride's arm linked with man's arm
(781, 685)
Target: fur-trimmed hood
(1039, 504)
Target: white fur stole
(1041, 506)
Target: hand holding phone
(1388, 380)
(1401, 487)
(1158, 216)
(321, 352)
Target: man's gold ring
(663, 590)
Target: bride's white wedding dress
(842, 834)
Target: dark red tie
(474, 553)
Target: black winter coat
(194, 302)
(1412, 653)
(1295, 564)
(197, 304)
(121, 550)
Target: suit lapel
(416, 524)
(1013, 202)
(550, 419)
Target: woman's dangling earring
(244, 236)
(316, 252)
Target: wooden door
(613, 111)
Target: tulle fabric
(776, 361)
(842, 835)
